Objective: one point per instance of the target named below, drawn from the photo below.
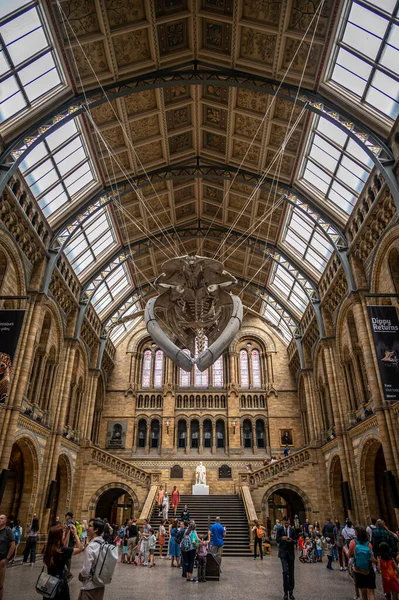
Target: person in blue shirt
(218, 533)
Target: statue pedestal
(200, 489)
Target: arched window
(158, 369)
(213, 375)
(146, 376)
(256, 378)
(217, 373)
(185, 375)
(244, 369)
(200, 379)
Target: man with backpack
(99, 563)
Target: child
(330, 554)
(267, 546)
(301, 542)
(201, 557)
(124, 550)
(152, 542)
(319, 548)
(307, 547)
(389, 571)
(161, 537)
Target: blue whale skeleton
(196, 308)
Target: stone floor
(241, 579)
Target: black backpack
(179, 535)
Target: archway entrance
(338, 512)
(19, 488)
(59, 504)
(285, 502)
(379, 501)
(116, 505)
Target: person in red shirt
(175, 499)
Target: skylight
(91, 240)
(288, 288)
(335, 167)
(118, 332)
(58, 169)
(113, 286)
(275, 313)
(28, 68)
(367, 57)
(303, 238)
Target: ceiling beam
(198, 73)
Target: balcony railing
(201, 401)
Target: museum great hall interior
(259, 133)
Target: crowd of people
(363, 551)
(186, 548)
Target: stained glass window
(185, 375)
(146, 375)
(158, 369)
(256, 378)
(28, 67)
(200, 379)
(367, 58)
(244, 369)
(217, 373)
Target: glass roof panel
(286, 286)
(59, 168)
(276, 314)
(334, 168)
(367, 54)
(28, 66)
(92, 238)
(302, 237)
(110, 289)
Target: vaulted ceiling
(169, 101)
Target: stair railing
(254, 479)
(149, 504)
(121, 467)
(245, 494)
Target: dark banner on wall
(10, 329)
(385, 327)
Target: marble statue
(200, 474)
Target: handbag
(48, 585)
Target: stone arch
(14, 261)
(335, 479)
(139, 336)
(259, 335)
(115, 485)
(291, 492)
(375, 497)
(24, 502)
(63, 489)
(378, 278)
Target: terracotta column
(201, 438)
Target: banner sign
(10, 329)
(385, 327)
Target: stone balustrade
(209, 401)
(283, 466)
(121, 467)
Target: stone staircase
(204, 509)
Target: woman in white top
(165, 507)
